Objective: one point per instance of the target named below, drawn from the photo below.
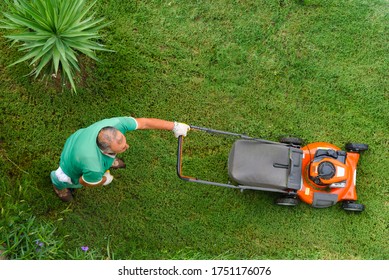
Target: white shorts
(62, 177)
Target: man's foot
(65, 194)
(118, 163)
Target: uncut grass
(316, 71)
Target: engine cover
(328, 167)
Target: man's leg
(61, 188)
(118, 163)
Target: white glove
(109, 177)
(180, 129)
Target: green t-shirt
(82, 157)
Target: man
(90, 152)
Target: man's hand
(180, 129)
(109, 177)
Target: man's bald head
(111, 141)
(105, 137)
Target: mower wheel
(352, 206)
(292, 141)
(355, 147)
(287, 201)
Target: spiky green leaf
(58, 31)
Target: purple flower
(40, 244)
(85, 248)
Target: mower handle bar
(193, 179)
(227, 133)
(214, 131)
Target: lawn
(311, 69)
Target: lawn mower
(319, 174)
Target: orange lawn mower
(319, 174)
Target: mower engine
(329, 169)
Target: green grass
(312, 69)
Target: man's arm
(179, 129)
(151, 123)
(85, 184)
(107, 179)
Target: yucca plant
(53, 33)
